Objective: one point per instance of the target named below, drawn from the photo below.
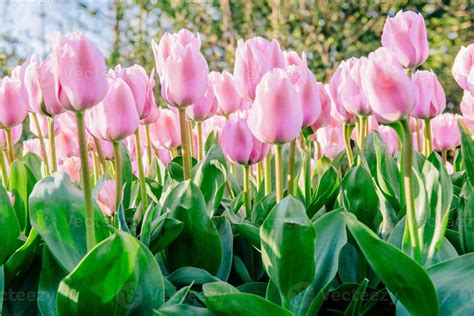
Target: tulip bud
(467, 105)
(71, 166)
(324, 117)
(445, 132)
(228, 98)
(405, 35)
(253, 59)
(431, 99)
(239, 145)
(350, 90)
(463, 68)
(390, 92)
(165, 132)
(46, 79)
(13, 106)
(116, 117)
(331, 139)
(338, 111)
(204, 108)
(106, 197)
(276, 116)
(390, 138)
(67, 145)
(16, 135)
(81, 73)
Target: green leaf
(328, 188)
(2, 287)
(467, 149)
(21, 183)
(210, 176)
(224, 299)
(183, 309)
(57, 214)
(191, 275)
(51, 275)
(288, 245)
(9, 227)
(466, 218)
(410, 284)
(117, 277)
(34, 163)
(360, 197)
(357, 300)
(167, 233)
(199, 244)
(227, 238)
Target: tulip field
(258, 190)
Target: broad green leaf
(168, 231)
(210, 176)
(191, 275)
(183, 309)
(288, 245)
(9, 227)
(119, 276)
(360, 197)
(466, 218)
(21, 183)
(467, 149)
(224, 299)
(328, 188)
(257, 288)
(227, 239)
(2, 287)
(51, 275)
(34, 163)
(178, 297)
(410, 284)
(57, 214)
(357, 300)
(199, 244)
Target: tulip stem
(190, 138)
(200, 145)
(268, 173)
(141, 173)
(279, 172)
(307, 171)
(118, 174)
(41, 141)
(248, 205)
(418, 136)
(52, 144)
(444, 155)
(86, 183)
(4, 169)
(100, 154)
(148, 144)
(347, 141)
(291, 167)
(407, 176)
(10, 151)
(185, 144)
(363, 129)
(428, 148)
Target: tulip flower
(71, 166)
(463, 68)
(240, 146)
(106, 198)
(390, 138)
(16, 135)
(29, 78)
(253, 59)
(467, 105)
(331, 139)
(350, 90)
(228, 98)
(338, 111)
(165, 132)
(46, 78)
(405, 35)
(324, 117)
(445, 131)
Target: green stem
(100, 154)
(428, 148)
(86, 183)
(200, 144)
(347, 141)
(407, 176)
(118, 174)
(141, 173)
(52, 144)
(190, 138)
(268, 173)
(185, 144)
(444, 155)
(291, 167)
(148, 144)
(307, 171)
(248, 205)
(418, 136)
(363, 130)
(279, 172)
(10, 151)
(41, 141)
(4, 170)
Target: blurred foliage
(327, 31)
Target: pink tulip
(405, 35)
(228, 98)
(204, 108)
(390, 92)
(71, 166)
(276, 116)
(431, 99)
(67, 145)
(163, 155)
(214, 125)
(116, 117)
(44, 126)
(106, 198)
(390, 138)
(306, 86)
(13, 106)
(31, 83)
(338, 111)
(325, 115)
(16, 135)
(67, 123)
(80, 72)
(46, 80)
(445, 132)
(165, 132)
(253, 59)
(152, 116)
(331, 139)
(239, 145)
(182, 68)
(32, 145)
(139, 83)
(467, 105)
(350, 91)
(463, 68)
(468, 123)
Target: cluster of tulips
(275, 123)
